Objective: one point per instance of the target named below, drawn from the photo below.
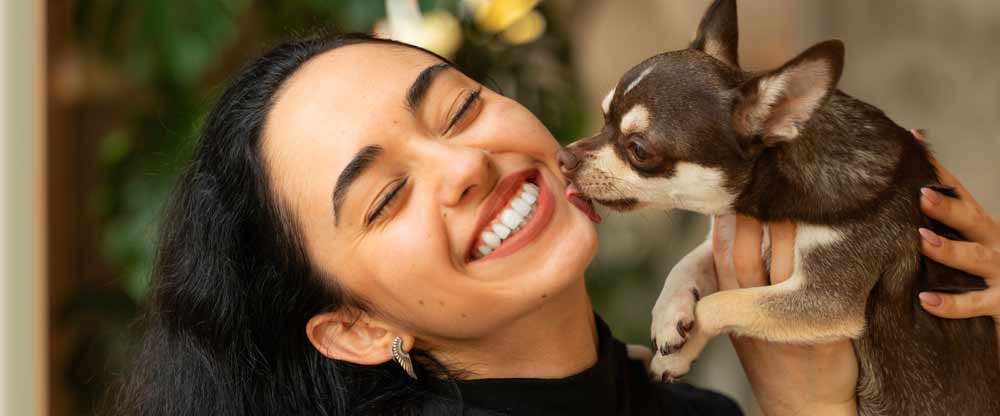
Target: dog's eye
(639, 153)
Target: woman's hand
(979, 256)
(786, 379)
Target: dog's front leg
(779, 313)
(674, 313)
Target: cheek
(410, 260)
(509, 126)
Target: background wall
(22, 320)
(129, 81)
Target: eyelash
(387, 202)
(464, 109)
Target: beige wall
(22, 322)
(927, 64)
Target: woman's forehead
(339, 100)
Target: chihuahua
(690, 129)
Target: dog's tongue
(583, 203)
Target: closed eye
(386, 202)
(467, 105)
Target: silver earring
(402, 357)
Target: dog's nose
(568, 162)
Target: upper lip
(505, 190)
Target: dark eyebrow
(361, 161)
(420, 86)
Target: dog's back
(911, 362)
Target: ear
(347, 337)
(777, 104)
(718, 33)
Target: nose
(568, 162)
(466, 171)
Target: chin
(575, 250)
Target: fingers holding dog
(736, 242)
(964, 215)
(748, 264)
(782, 250)
(972, 257)
(723, 239)
(963, 305)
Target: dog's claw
(673, 320)
(684, 328)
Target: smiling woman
(354, 203)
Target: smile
(519, 211)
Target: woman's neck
(555, 341)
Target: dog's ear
(718, 33)
(777, 104)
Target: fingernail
(930, 299)
(931, 195)
(930, 237)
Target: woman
(327, 240)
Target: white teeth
(529, 197)
(509, 221)
(490, 239)
(520, 206)
(530, 187)
(511, 218)
(501, 230)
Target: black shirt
(615, 385)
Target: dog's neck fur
(806, 179)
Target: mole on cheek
(441, 302)
(421, 302)
(465, 316)
(544, 295)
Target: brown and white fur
(691, 130)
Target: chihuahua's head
(684, 129)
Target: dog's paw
(669, 368)
(673, 318)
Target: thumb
(962, 305)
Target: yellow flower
(494, 16)
(526, 29)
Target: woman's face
(395, 164)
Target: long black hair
(233, 288)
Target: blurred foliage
(167, 60)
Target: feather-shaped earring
(402, 357)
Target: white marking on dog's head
(692, 186)
(638, 79)
(635, 120)
(606, 102)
